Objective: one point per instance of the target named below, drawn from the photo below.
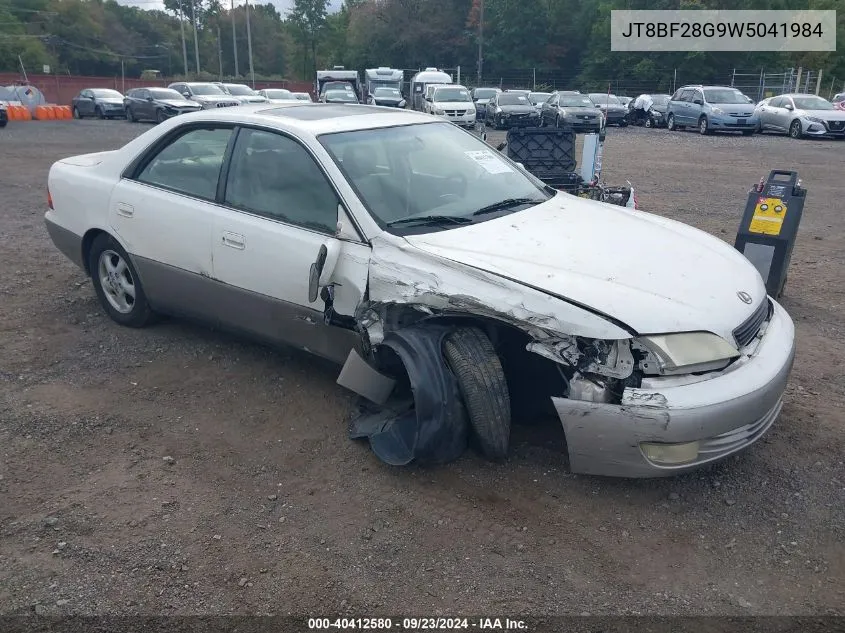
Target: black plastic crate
(548, 153)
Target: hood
(454, 105)
(110, 100)
(827, 115)
(742, 109)
(250, 98)
(516, 109)
(213, 98)
(612, 107)
(578, 111)
(178, 103)
(388, 100)
(660, 108)
(651, 273)
(482, 101)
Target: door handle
(125, 210)
(233, 240)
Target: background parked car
(800, 115)
(625, 101)
(573, 110)
(614, 112)
(206, 94)
(4, 114)
(710, 109)
(509, 109)
(103, 103)
(303, 96)
(537, 99)
(481, 96)
(340, 95)
(277, 95)
(649, 110)
(452, 102)
(243, 93)
(386, 96)
(156, 104)
(839, 101)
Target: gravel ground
(176, 470)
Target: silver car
(800, 115)
(572, 110)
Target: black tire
(481, 380)
(130, 116)
(76, 114)
(703, 126)
(670, 123)
(100, 113)
(140, 313)
(795, 129)
(649, 122)
(623, 123)
(3, 123)
(160, 116)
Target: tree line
(567, 37)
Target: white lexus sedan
(456, 290)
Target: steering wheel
(461, 185)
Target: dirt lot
(263, 505)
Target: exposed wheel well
(87, 241)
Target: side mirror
(186, 94)
(149, 98)
(323, 268)
(789, 106)
(93, 98)
(698, 102)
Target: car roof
(315, 118)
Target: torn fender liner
(436, 429)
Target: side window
(777, 102)
(698, 96)
(686, 95)
(190, 164)
(274, 176)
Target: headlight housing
(437, 111)
(717, 111)
(689, 352)
(402, 103)
(814, 119)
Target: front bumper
(583, 125)
(519, 120)
(463, 120)
(724, 412)
(725, 122)
(814, 128)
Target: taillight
(49, 199)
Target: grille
(455, 112)
(226, 104)
(836, 126)
(746, 332)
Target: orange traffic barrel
(57, 113)
(43, 113)
(14, 113)
(22, 113)
(66, 113)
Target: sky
(283, 6)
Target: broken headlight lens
(689, 349)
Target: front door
(279, 209)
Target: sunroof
(318, 111)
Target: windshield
(393, 85)
(206, 89)
(539, 97)
(165, 93)
(240, 90)
(104, 93)
(388, 93)
(812, 103)
(575, 101)
(424, 170)
(724, 95)
(484, 93)
(280, 93)
(603, 99)
(512, 98)
(341, 95)
(451, 94)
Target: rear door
(767, 113)
(163, 212)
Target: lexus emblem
(744, 297)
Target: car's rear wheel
(795, 130)
(471, 357)
(117, 284)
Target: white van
(421, 81)
(452, 102)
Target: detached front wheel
(481, 380)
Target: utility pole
(249, 45)
(220, 54)
(184, 46)
(480, 39)
(234, 39)
(196, 37)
